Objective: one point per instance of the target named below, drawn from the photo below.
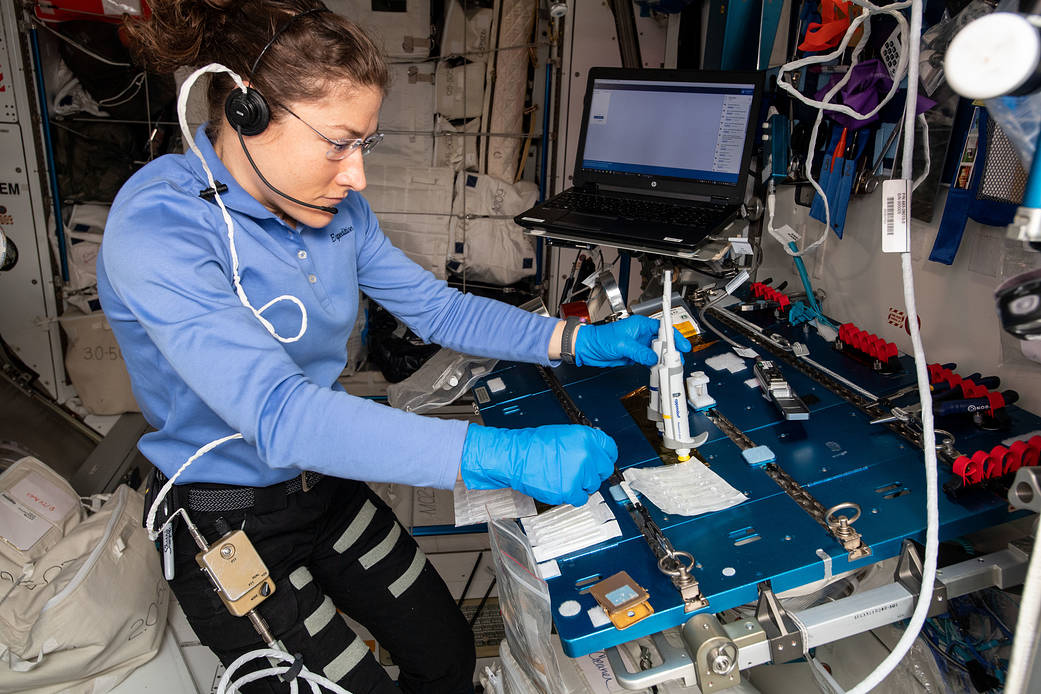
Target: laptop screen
(693, 131)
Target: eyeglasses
(341, 149)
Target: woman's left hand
(621, 343)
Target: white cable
(150, 521)
(928, 157)
(69, 41)
(115, 99)
(892, 10)
(311, 678)
(182, 108)
(1025, 643)
(925, 597)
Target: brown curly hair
(311, 51)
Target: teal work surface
(837, 454)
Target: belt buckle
(303, 481)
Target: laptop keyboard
(635, 209)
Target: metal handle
(838, 507)
(681, 571)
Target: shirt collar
(236, 198)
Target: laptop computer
(662, 160)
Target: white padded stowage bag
(466, 32)
(511, 83)
(457, 151)
(396, 191)
(407, 118)
(400, 34)
(460, 90)
(494, 249)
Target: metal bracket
(909, 575)
(411, 43)
(786, 640)
(676, 664)
(714, 654)
(414, 75)
(1025, 491)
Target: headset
(248, 111)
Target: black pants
(335, 547)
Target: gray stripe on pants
(409, 577)
(300, 577)
(346, 661)
(320, 617)
(356, 528)
(370, 558)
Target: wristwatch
(566, 338)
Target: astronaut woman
(184, 274)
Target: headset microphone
(321, 208)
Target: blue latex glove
(556, 464)
(621, 343)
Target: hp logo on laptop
(654, 184)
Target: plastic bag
(525, 606)
(1020, 118)
(440, 381)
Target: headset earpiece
(247, 111)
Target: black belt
(211, 498)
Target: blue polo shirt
(202, 366)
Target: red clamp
(1017, 450)
(997, 461)
(1033, 452)
(968, 469)
(997, 400)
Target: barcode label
(896, 218)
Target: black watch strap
(566, 338)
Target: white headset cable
(182, 107)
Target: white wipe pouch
(473, 506)
(567, 528)
(37, 509)
(685, 489)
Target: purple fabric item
(868, 85)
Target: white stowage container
(402, 33)
(494, 249)
(459, 90)
(413, 205)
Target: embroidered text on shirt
(337, 235)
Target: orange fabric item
(835, 16)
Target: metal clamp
(682, 578)
(842, 528)
(786, 640)
(909, 575)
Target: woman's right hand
(556, 464)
